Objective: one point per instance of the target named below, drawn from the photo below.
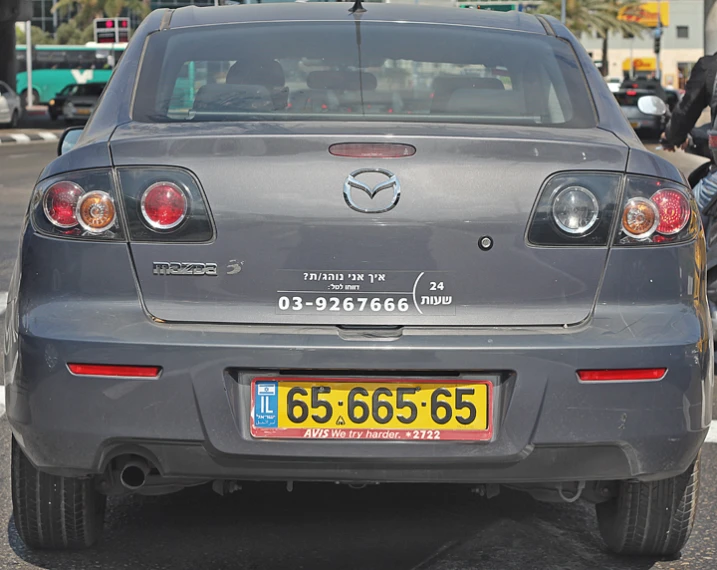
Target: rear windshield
(373, 71)
(88, 89)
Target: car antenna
(357, 8)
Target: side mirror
(652, 105)
(68, 140)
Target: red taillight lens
(625, 375)
(164, 205)
(713, 140)
(111, 370)
(372, 150)
(631, 93)
(674, 210)
(60, 204)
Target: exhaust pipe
(133, 472)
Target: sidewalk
(35, 126)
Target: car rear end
(627, 99)
(465, 280)
(81, 103)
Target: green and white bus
(55, 67)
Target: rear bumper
(193, 422)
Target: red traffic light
(109, 24)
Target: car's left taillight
(136, 204)
(80, 204)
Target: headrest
(224, 98)
(268, 73)
(342, 80)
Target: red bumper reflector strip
(621, 375)
(119, 370)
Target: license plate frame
(338, 433)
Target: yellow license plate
(82, 111)
(634, 125)
(382, 409)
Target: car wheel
(651, 518)
(14, 120)
(53, 512)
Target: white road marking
(48, 136)
(712, 434)
(3, 302)
(2, 401)
(20, 138)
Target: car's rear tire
(15, 119)
(651, 518)
(53, 512)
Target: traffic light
(111, 30)
(123, 30)
(105, 31)
(658, 39)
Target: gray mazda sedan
(379, 244)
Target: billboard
(646, 14)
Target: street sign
(111, 30)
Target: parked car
(229, 276)
(81, 101)
(10, 107)
(56, 104)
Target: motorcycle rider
(699, 94)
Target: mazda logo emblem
(390, 182)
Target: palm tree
(599, 17)
(87, 10)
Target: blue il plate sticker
(266, 404)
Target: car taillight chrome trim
(686, 207)
(46, 208)
(653, 207)
(593, 218)
(83, 224)
(156, 225)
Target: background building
(682, 45)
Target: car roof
(189, 16)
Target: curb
(24, 138)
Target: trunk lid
(284, 230)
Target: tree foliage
(595, 17)
(38, 36)
(87, 10)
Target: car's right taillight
(656, 211)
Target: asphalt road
(319, 527)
